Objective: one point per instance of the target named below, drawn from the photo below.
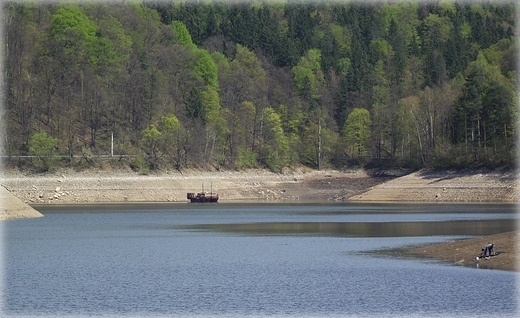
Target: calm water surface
(179, 260)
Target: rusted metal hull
(202, 198)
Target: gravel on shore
(127, 186)
(299, 185)
(469, 186)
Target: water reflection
(364, 229)
(181, 260)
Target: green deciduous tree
(205, 68)
(175, 141)
(151, 140)
(70, 17)
(183, 36)
(45, 150)
(356, 133)
(381, 110)
(241, 123)
(309, 81)
(216, 126)
(244, 94)
(275, 146)
(308, 76)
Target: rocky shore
(127, 186)
(301, 185)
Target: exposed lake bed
(298, 185)
(463, 252)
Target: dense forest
(270, 84)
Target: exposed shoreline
(299, 185)
(463, 252)
(127, 186)
(69, 187)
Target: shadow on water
(363, 229)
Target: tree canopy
(264, 84)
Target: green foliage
(308, 76)
(205, 68)
(117, 43)
(483, 112)
(71, 17)
(138, 164)
(342, 37)
(275, 146)
(356, 132)
(343, 66)
(171, 123)
(82, 39)
(211, 106)
(381, 48)
(291, 121)
(248, 61)
(303, 75)
(221, 62)
(216, 125)
(174, 141)
(45, 150)
(266, 83)
(75, 33)
(151, 133)
(183, 36)
(438, 27)
(151, 137)
(246, 159)
(407, 129)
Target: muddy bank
(463, 252)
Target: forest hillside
(260, 84)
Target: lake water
(245, 260)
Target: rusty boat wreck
(203, 197)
